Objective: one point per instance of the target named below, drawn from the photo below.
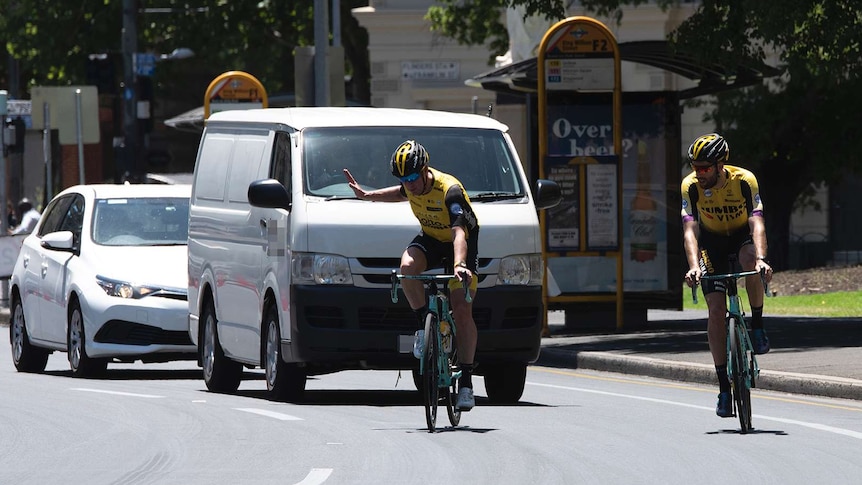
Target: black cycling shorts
(440, 254)
(714, 252)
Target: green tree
(51, 40)
(794, 131)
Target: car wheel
(220, 373)
(285, 382)
(81, 364)
(26, 357)
(504, 383)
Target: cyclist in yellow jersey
(450, 232)
(722, 214)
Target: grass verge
(837, 304)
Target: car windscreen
(156, 221)
(479, 158)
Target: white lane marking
(270, 414)
(316, 476)
(117, 393)
(817, 426)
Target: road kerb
(810, 384)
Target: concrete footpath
(816, 356)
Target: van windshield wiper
(491, 196)
(342, 197)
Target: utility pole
(321, 47)
(130, 94)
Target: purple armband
(687, 218)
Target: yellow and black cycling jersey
(446, 205)
(726, 209)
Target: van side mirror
(268, 193)
(547, 194)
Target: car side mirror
(269, 193)
(59, 241)
(547, 194)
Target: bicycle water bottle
(447, 336)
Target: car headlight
(521, 269)
(123, 289)
(320, 269)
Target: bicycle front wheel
(740, 374)
(431, 370)
(452, 391)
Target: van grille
(520, 317)
(403, 318)
(324, 316)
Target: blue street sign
(145, 64)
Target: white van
(288, 271)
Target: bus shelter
(613, 247)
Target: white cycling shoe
(418, 343)
(466, 401)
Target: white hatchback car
(103, 277)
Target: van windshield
(479, 158)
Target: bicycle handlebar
(732, 275)
(396, 278)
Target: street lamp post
(129, 93)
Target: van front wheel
(284, 382)
(504, 383)
(220, 373)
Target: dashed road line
(117, 393)
(270, 414)
(316, 476)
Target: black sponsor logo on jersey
(725, 212)
(433, 224)
(434, 209)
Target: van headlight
(320, 269)
(521, 269)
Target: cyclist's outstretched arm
(386, 194)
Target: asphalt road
(157, 424)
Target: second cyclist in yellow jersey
(722, 216)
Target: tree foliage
(795, 130)
(51, 40)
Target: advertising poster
(586, 130)
(564, 219)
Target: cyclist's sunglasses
(703, 169)
(409, 178)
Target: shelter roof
(522, 77)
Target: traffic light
(102, 72)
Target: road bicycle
(438, 365)
(742, 368)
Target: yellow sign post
(234, 90)
(577, 58)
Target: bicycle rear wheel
(452, 391)
(431, 370)
(740, 375)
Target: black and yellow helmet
(709, 148)
(409, 158)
